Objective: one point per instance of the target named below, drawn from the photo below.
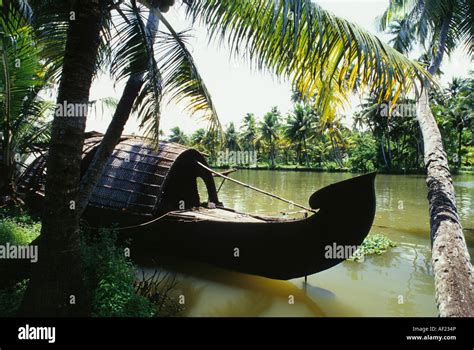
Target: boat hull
(279, 249)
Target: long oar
(257, 189)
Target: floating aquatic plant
(372, 244)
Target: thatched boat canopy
(139, 179)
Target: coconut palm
(177, 135)
(332, 130)
(23, 113)
(51, 285)
(295, 39)
(231, 138)
(151, 71)
(269, 130)
(453, 109)
(441, 26)
(300, 129)
(249, 132)
(197, 139)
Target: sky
(235, 88)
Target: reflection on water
(397, 283)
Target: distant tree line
(383, 137)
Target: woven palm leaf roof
(134, 176)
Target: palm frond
(427, 17)
(101, 104)
(147, 106)
(403, 35)
(129, 47)
(23, 115)
(182, 79)
(299, 40)
(14, 15)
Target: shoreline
(342, 170)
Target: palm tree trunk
(305, 151)
(458, 163)
(56, 286)
(116, 126)
(298, 154)
(389, 150)
(453, 272)
(382, 149)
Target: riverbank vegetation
(380, 136)
(117, 289)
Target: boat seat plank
(214, 215)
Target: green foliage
(24, 114)
(110, 276)
(20, 229)
(421, 21)
(178, 136)
(453, 110)
(364, 153)
(231, 138)
(16, 227)
(372, 245)
(10, 299)
(385, 137)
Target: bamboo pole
(257, 189)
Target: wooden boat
(152, 196)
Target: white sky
(235, 89)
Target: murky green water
(397, 283)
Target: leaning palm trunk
(453, 271)
(116, 126)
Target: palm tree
(170, 69)
(403, 35)
(299, 130)
(23, 113)
(458, 109)
(321, 148)
(213, 143)
(269, 129)
(56, 286)
(249, 132)
(441, 26)
(178, 136)
(197, 139)
(231, 138)
(184, 80)
(332, 130)
(205, 141)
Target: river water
(396, 283)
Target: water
(396, 283)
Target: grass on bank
(110, 275)
(18, 227)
